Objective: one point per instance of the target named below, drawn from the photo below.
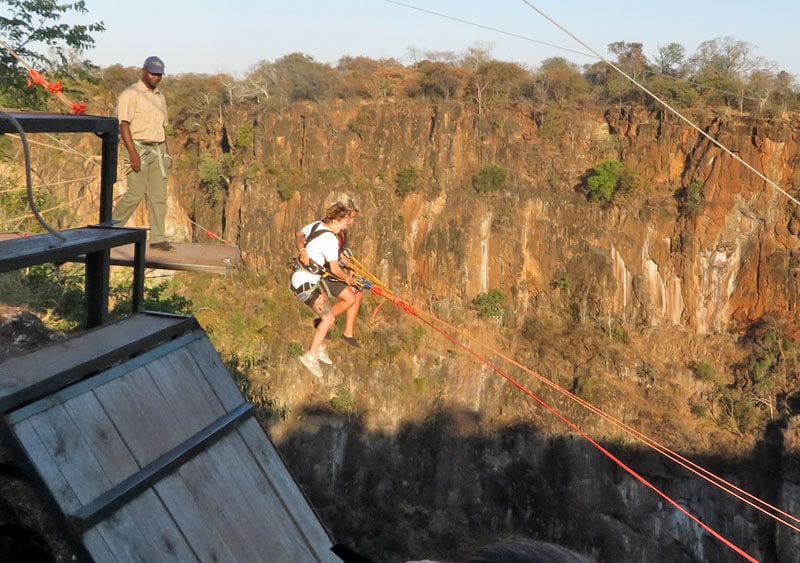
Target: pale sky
(204, 36)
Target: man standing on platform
(142, 114)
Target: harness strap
(151, 147)
(317, 229)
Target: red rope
(407, 307)
(748, 498)
(35, 77)
(607, 453)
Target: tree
(632, 61)
(28, 25)
(630, 58)
(558, 81)
(671, 60)
(436, 80)
(724, 65)
(300, 77)
(496, 80)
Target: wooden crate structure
(145, 442)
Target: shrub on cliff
(602, 181)
(691, 199)
(490, 304)
(611, 179)
(489, 178)
(407, 181)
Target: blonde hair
(336, 211)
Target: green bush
(295, 349)
(691, 199)
(334, 174)
(343, 400)
(54, 292)
(407, 181)
(158, 297)
(245, 136)
(563, 283)
(703, 371)
(286, 191)
(210, 176)
(362, 124)
(490, 304)
(489, 179)
(602, 182)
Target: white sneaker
(312, 364)
(322, 355)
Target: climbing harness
(307, 290)
(146, 149)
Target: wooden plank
(245, 505)
(98, 548)
(144, 419)
(102, 436)
(197, 522)
(290, 494)
(191, 257)
(42, 458)
(144, 530)
(184, 387)
(111, 500)
(71, 453)
(216, 373)
(220, 501)
(52, 367)
(90, 383)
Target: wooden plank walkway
(158, 455)
(190, 257)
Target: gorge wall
(639, 260)
(438, 456)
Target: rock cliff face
(639, 260)
(430, 487)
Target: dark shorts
(335, 286)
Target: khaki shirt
(145, 110)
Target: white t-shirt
(321, 249)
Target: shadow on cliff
(442, 486)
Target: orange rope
(409, 308)
(603, 450)
(691, 466)
(748, 498)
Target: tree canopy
(36, 35)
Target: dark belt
(305, 287)
(148, 143)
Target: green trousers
(150, 183)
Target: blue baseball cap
(154, 65)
